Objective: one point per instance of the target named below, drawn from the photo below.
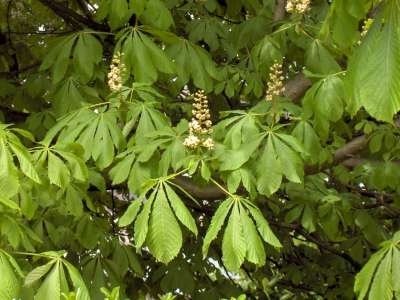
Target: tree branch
(296, 87)
(351, 148)
(321, 244)
(280, 10)
(71, 17)
(84, 6)
(208, 192)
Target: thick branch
(295, 88)
(84, 6)
(208, 192)
(351, 148)
(71, 16)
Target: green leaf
(319, 60)
(58, 57)
(234, 243)
(87, 53)
(164, 237)
(216, 224)
(57, 171)
(263, 227)
(269, 170)
(130, 214)
(118, 13)
(142, 222)
(181, 211)
(143, 57)
(155, 13)
(292, 164)
(9, 280)
(234, 159)
(396, 269)
(306, 134)
(381, 287)
(25, 160)
(82, 292)
(374, 69)
(193, 62)
(255, 252)
(364, 277)
(37, 273)
(51, 286)
(325, 101)
(88, 128)
(9, 203)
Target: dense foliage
(201, 149)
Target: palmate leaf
(325, 103)
(145, 118)
(377, 278)
(374, 69)
(238, 129)
(234, 159)
(152, 12)
(193, 62)
(142, 57)
(85, 49)
(319, 60)
(156, 225)
(54, 282)
(67, 96)
(241, 239)
(136, 166)
(306, 134)
(88, 128)
(62, 164)
(341, 24)
(117, 12)
(280, 157)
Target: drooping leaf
(164, 236)
(216, 224)
(376, 85)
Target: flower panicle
(117, 69)
(200, 127)
(275, 85)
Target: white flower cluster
(275, 85)
(117, 68)
(200, 125)
(297, 6)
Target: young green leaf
(142, 221)
(216, 224)
(234, 243)
(181, 211)
(374, 69)
(130, 214)
(165, 236)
